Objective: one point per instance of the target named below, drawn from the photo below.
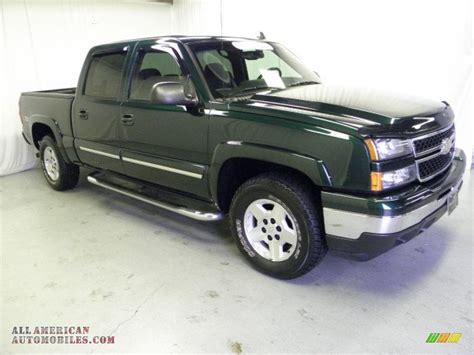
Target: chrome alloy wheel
(270, 230)
(50, 162)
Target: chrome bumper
(352, 225)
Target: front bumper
(362, 228)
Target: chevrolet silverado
(214, 126)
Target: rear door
(96, 111)
(162, 144)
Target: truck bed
(50, 107)
(52, 93)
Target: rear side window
(104, 77)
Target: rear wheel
(59, 174)
(275, 222)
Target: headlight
(384, 180)
(387, 148)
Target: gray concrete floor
(159, 282)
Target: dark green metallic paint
(322, 140)
(277, 131)
(399, 202)
(312, 168)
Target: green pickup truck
(210, 126)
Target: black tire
(68, 174)
(300, 204)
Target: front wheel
(275, 222)
(59, 174)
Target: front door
(96, 111)
(162, 144)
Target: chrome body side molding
(99, 152)
(143, 163)
(162, 167)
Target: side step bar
(183, 211)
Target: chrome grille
(434, 153)
(431, 142)
(434, 165)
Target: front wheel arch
(232, 165)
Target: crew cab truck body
(205, 126)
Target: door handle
(127, 120)
(83, 114)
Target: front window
(242, 67)
(153, 66)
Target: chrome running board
(183, 211)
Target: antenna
(261, 36)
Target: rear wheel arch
(59, 174)
(38, 131)
(44, 126)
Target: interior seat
(146, 78)
(218, 77)
(147, 73)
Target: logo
(446, 145)
(58, 335)
(443, 338)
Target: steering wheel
(272, 68)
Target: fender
(313, 168)
(53, 125)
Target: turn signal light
(372, 149)
(376, 183)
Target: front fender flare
(313, 168)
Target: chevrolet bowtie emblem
(446, 145)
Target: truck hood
(371, 111)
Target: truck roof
(183, 39)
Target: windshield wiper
(251, 88)
(238, 91)
(228, 92)
(305, 82)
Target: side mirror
(175, 92)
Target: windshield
(243, 67)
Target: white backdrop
(421, 47)
(43, 44)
